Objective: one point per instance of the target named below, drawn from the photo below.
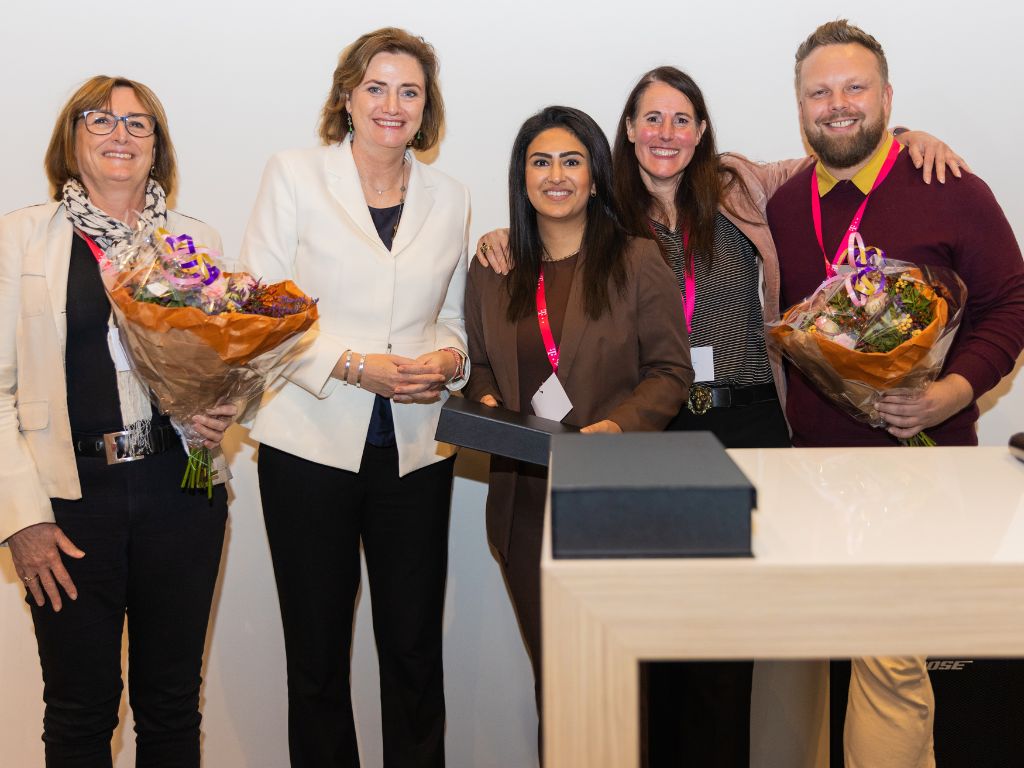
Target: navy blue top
(381, 432)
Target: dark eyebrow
(549, 155)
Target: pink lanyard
(545, 325)
(689, 298)
(97, 252)
(830, 268)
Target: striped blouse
(727, 312)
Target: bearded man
(863, 182)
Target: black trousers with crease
(316, 518)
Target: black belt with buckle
(704, 397)
(114, 445)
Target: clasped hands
(401, 379)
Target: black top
(381, 432)
(89, 373)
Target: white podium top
(887, 506)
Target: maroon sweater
(958, 225)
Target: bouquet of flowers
(877, 326)
(197, 336)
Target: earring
(419, 135)
(593, 193)
(350, 128)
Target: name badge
(550, 401)
(703, 360)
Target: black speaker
(979, 712)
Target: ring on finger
(484, 248)
(28, 579)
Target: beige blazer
(311, 224)
(37, 462)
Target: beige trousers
(889, 714)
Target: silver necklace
(380, 192)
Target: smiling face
(387, 106)
(665, 131)
(844, 106)
(558, 179)
(118, 162)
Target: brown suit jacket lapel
(574, 326)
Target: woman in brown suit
(587, 329)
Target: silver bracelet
(348, 362)
(359, 370)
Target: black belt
(704, 397)
(114, 445)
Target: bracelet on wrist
(348, 362)
(359, 370)
(460, 364)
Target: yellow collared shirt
(865, 177)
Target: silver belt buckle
(115, 444)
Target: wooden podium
(857, 552)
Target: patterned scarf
(107, 232)
(104, 229)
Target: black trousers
(698, 713)
(152, 552)
(316, 517)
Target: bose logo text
(959, 664)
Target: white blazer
(37, 461)
(311, 224)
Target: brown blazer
(632, 365)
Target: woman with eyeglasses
(96, 538)
(587, 312)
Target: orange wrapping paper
(236, 337)
(855, 380)
(882, 370)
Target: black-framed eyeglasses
(102, 123)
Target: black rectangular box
(498, 431)
(648, 494)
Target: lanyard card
(703, 360)
(551, 401)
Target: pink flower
(214, 292)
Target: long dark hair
(705, 182)
(604, 240)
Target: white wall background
(243, 80)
